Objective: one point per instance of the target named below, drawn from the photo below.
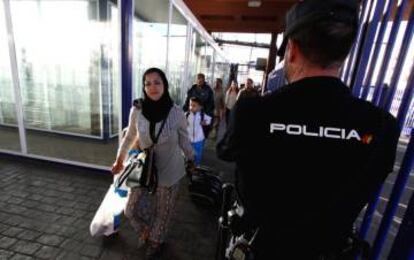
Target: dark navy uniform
(309, 157)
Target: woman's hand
(117, 167)
(190, 167)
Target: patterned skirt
(152, 212)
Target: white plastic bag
(107, 219)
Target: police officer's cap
(306, 12)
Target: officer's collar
(321, 82)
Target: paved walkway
(46, 209)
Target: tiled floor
(46, 209)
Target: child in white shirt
(197, 119)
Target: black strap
(159, 132)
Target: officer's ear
(291, 52)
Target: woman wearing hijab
(150, 214)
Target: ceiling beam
(245, 1)
(408, 11)
(245, 26)
(249, 44)
(236, 8)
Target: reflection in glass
(150, 38)
(67, 55)
(58, 54)
(197, 58)
(208, 70)
(221, 69)
(218, 68)
(114, 75)
(9, 135)
(176, 60)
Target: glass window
(209, 64)
(9, 136)
(217, 71)
(150, 38)
(178, 36)
(114, 75)
(66, 65)
(197, 58)
(58, 56)
(221, 69)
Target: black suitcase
(205, 187)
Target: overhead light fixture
(254, 3)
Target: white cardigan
(168, 151)
(195, 129)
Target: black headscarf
(156, 111)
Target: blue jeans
(198, 148)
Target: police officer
(310, 155)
